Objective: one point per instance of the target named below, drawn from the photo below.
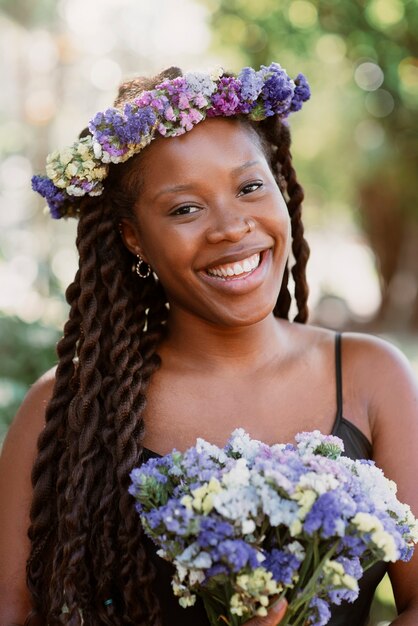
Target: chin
(241, 318)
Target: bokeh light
(380, 103)
(369, 134)
(106, 74)
(385, 13)
(369, 76)
(408, 74)
(302, 14)
(331, 48)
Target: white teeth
(235, 269)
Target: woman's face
(212, 223)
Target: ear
(131, 237)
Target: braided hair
(87, 546)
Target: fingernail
(277, 608)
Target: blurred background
(355, 149)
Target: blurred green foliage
(27, 12)
(27, 350)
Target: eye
(186, 209)
(250, 187)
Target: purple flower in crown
(55, 198)
(170, 109)
(86, 185)
(251, 84)
(115, 130)
(154, 99)
(102, 123)
(169, 114)
(105, 127)
(174, 86)
(136, 123)
(189, 118)
(178, 92)
(301, 94)
(226, 100)
(277, 91)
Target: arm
(392, 392)
(17, 457)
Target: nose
(230, 228)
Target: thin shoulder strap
(338, 376)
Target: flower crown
(171, 109)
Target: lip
(234, 257)
(240, 285)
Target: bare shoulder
(380, 388)
(30, 418)
(371, 364)
(370, 348)
(382, 371)
(16, 462)
(20, 445)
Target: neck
(206, 346)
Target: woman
(194, 342)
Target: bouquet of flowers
(248, 523)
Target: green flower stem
(370, 564)
(309, 591)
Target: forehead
(213, 144)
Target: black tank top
(357, 446)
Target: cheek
(280, 223)
(165, 249)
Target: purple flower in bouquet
(283, 565)
(320, 613)
(322, 517)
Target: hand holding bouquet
(249, 522)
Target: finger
(274, 616)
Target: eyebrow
(178, 188)
(239, 169)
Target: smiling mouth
(238, 269)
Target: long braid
(79, 478)
(103, 545)
(300, 246)
(125, 414)
(276, 140)
(135, 569)
(50, 445)
(84, 421)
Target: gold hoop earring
(143, 272)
